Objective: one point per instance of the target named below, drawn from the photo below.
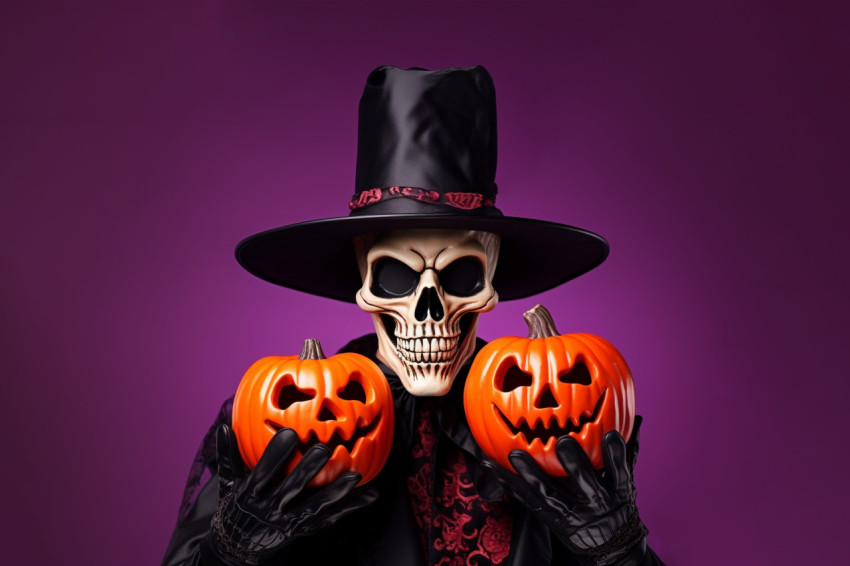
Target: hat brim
(317, 257)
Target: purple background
(707, 144)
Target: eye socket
(392, 278)
(290, 394)
(353, 391)
(463, 277)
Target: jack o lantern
(343, 401)
(526, 393)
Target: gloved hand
(259, 512)
(593, 515)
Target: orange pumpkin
(343, 401)
(526, 393)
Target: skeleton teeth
(426, 350)
(427, 344)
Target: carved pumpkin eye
(577, 374)
(463, 277)
(353, 391)
(513, 378)
(392, 278)
(291, 394)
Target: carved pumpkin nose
(546, 400)
(429, 304)
(326, 415)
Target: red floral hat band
(464, 200)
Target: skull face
(424, 289)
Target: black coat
(386, 532)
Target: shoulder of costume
(366, 345)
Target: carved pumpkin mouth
(553, 429)
(336, 438)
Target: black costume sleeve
(200, 499)
(183, 550)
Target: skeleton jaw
(428, 358)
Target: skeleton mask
(424, 289)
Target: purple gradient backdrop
(707, 144)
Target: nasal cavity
(326, 415)
(546, 400)
(429, 304)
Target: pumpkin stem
(540, 323)
(312, 350)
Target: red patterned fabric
(465, 201)
(457, 527)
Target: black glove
(593, 515)
(260, 513)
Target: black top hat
(426, 158)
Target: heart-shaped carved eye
(291, 394)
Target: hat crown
(426, 160)
(432, 130)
